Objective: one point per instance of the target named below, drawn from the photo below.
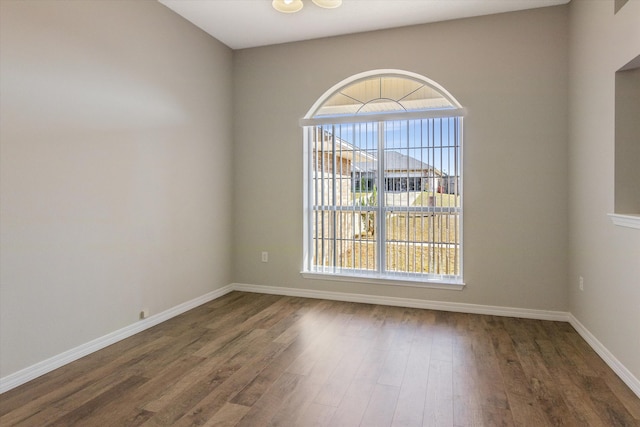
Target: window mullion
(334, 199)
(381, 203)
(312, 136)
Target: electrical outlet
(581, 283)
(265, 256)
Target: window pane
(422, 243)
(345, 239)
(383, 94)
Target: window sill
(628, 220)
(396, 281)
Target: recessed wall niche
(627, 139)
(617, 5)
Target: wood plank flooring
(263, 360)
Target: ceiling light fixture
(287, 6)
(328, 4)
(292, 6)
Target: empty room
(319, 212)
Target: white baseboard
(48, 365)
(625, 375)
(457, 307)
(55, 362)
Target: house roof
(395, 161)
(344, 149)
(363, 161)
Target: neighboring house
(328, 163)
(401, 172)
(346, 155)
(450, 184)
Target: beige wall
(606, 256)
(509, 71)
(118, 164)
(115, 170)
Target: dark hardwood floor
(256, 360)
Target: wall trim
(18, 378)
(458, 307)
(625, 375)
(34, 371)
(630, 220)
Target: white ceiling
(249, 23)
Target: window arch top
(384, 92)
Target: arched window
(383, 181)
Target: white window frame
(310, 121)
